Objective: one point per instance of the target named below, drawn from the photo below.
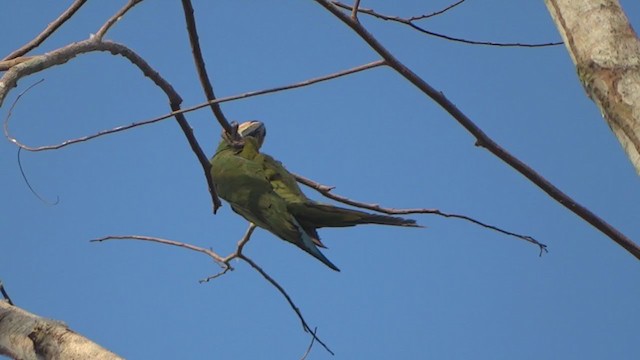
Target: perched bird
(261, 190)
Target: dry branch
(411, 22)
(24, 335)
(60, 56)
(66, 15)
(482, 139)
(202, 70)
(224, 263)
(327, 192)
(189, 109)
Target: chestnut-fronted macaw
(261, 190)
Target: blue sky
(449, 291)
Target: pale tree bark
(27, 336)
(606, 52)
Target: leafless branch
(313, 339)
(327, 192)
(185, 110)
(5, 294)
(354, 10)
(436, 13)
(483, 139)
(411, 23)
(224, 263)
(116, 17)
(60, 56)
(8, 64)
(50, 29)
(305, 326)
(217, 258)
(202, 70)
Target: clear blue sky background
(449, 291)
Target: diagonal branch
(189, 109)
(60, 56)
(411, 23)
(201, 68)
(282, 291)
(115, 18)
(483, 139)
(327, 192)
(50, 29)
(224, 262)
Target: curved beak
(255, 129)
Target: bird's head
(253, 128)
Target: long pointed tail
(324, 215)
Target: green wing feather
(241, 180)
(260, 189)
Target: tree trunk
(606, 53)
(27, 336)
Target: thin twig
(224, 262)
(33, 191)
(305, 326)
(115, 18)
(4, 293)
(354, 11)
(436, 13)
(193, 108)
(60, 56)
(201, 68)
(483, 139)
(327, 192)
(313, 339)
(50, 29)
(217, 258)
(6, 131)
(410, 22)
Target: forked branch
(225, 264)
(483, 139)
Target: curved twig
(327, 192)
(115, 18)
(60, 56)
(282, 291)
(411, 23)
(50, 29)
(202, 70)
(189, 109)
(483, 139)
(5, 294)
(224, 263)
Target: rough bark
(606, 52)
(27, 336)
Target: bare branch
(116, 17)
(8, 64)
(24, 335)
(313, 339)
(225, 264)
(193, 108)
(305, 326)
(202, 70)
(5, 294)
(436, 13)
(483, 139)
(217, 258)
(326, 191)
(354, 10)
(50, 29)
(60, 56)
(410, 22)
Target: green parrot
(261, 190)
